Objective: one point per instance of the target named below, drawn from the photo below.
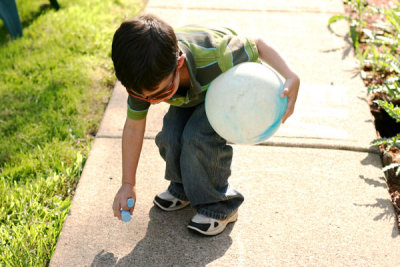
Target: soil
(385, 125)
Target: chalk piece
(125, 215)
(130, 202)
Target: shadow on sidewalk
(168, 243)
(373, 160)
(385, 205)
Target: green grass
(55, 82)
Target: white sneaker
(168, 202)
(209, 226)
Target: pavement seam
(299, 10)
(372, 149)
(338, 147)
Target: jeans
(198, 162)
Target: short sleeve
(233, 50)
(137, 109)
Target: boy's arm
(132, 141)
(271, 56)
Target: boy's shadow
(169, 243)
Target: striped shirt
(209, 52)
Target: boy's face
(167, 88)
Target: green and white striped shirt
(209, 52)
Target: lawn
(54, 85)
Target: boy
(156, 64)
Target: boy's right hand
(126, 191)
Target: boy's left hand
(291, 89)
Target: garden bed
(379, 59)
(386, 127)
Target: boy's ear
(181, 61)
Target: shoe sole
(182, 206)
(218, 230)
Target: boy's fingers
(124, 207)
(131, 209)
(284, 92)
(131, 204)
(117, 211)
(289, 111)
(118, 215)
(286, 116)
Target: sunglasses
(161, 96)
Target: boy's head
(145, 52)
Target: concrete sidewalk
(315, 193)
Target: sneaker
(168, 202)
(209, 226)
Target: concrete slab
(331, 107)
(332, 102)
(302, 207)
(320, 120)
(304, 39)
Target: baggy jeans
(198, 162)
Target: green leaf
(393, 111)
(354, 34)
(336, 18)
(381, 141)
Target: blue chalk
(125, 215)
(130, 202)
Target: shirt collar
(195, 87)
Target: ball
(243, 104)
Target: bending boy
(156, 64)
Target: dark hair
(144, 52)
